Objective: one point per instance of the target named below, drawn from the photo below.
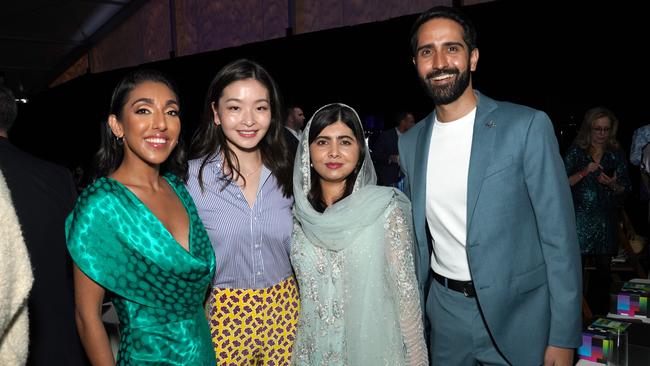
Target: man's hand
(558, 356)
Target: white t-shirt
(446, 196)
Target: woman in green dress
(136, 238)
(597, 171)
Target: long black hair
(209, 139)
(111, 150)
(323, 118)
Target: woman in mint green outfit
(352, 253)
(136, 238)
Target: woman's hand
(577, 177)
(610, 182)
(592, 167)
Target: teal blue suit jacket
(521, 242)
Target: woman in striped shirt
(240, 178)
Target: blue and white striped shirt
(251, 245)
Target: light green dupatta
(335, 228)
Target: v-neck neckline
(135, 199)
(602, 156)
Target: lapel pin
(490, 124)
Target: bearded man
(497, 258)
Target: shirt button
(259, 273)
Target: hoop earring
(120, 140)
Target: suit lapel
(485, 129)
(420, 172)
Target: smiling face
(335, 153)
(443, 60)
(149, 123)
(244, 113)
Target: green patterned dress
(157, 287)
(596, 205)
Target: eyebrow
(445, 44)
(337, 137)
(255, 101)
(150, 101)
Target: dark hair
(455, 14)
(111, 151)
(288, 111)
(8, 108)
(209, 138)
(399, 116)
(583, 139)
(323, 118)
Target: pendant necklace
(246, 175)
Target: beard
(448, 93)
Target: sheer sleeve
(401, 274)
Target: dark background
(542, 54)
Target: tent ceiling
(40, 39)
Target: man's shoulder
(389, 132)
(516, 118)
(289, 132)
(514, 111)
(39, 188)
(387, 135)
(642, 132)
(14, 160)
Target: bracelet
(582, 174)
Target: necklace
(246, 175)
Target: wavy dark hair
(445, 12)
(583, 139)
(111, 152)
(209, 139)
(323, 118)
